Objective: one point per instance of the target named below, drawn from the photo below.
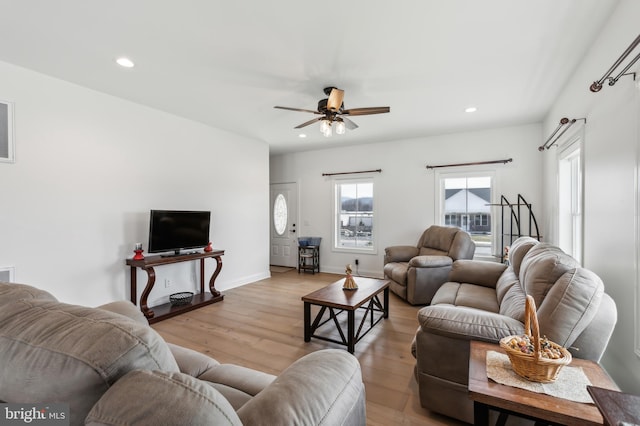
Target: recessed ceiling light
(302, 135)
(470, 109)
(125, 62)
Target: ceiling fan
(331, 110)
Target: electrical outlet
(357, 262)
(167, 283)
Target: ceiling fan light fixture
(325, 127)
(340, 127)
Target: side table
(309, 258)
(488, 394)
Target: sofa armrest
(126, 308)
(430, 261)
(464, 323)
(324, 387)
(191, 362)
(400, 253)
(477, 272)
(144, 397)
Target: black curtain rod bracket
(508, 160)
(352, 173)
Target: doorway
(283, 224)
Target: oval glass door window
(280, 214)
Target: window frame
(336, 216)
(565, 152)
(439, 192)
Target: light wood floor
(260, 326)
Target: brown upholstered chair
(417, 272)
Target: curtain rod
(508, 160)
(564, 122)
(597, 85)
(352, 173)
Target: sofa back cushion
(54, 352)
(570, 306)
(446, 241)
(519, 248)
(541, 267)
(13, 291)
(511, 296)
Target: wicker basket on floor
(534, 366)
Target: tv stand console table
(158, 313)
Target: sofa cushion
(477, 272)
(397, 271)
(54, 352)
(541, 267)
(174, 399)
(469, 295)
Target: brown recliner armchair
(417, 272)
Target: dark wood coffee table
(538, 406)
(335, 300)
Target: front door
(284, 219)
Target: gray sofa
(417, 272)
(113, 369)
(485, 301)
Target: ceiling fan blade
(366, 111)
(297, 109)
(306, 123)
(350, 124)
(334, 103)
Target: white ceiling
(228, 63)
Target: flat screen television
(175, 230)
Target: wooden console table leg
(212, 281)
(134, 286)
(151, 280)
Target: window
(465, 202)
(570, 200)
(280, 212)
(354, 215)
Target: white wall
(88, 169)
(611, 181)
(405, 190)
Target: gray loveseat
(113, 369)
(485, 301)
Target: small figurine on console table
(349, 283)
